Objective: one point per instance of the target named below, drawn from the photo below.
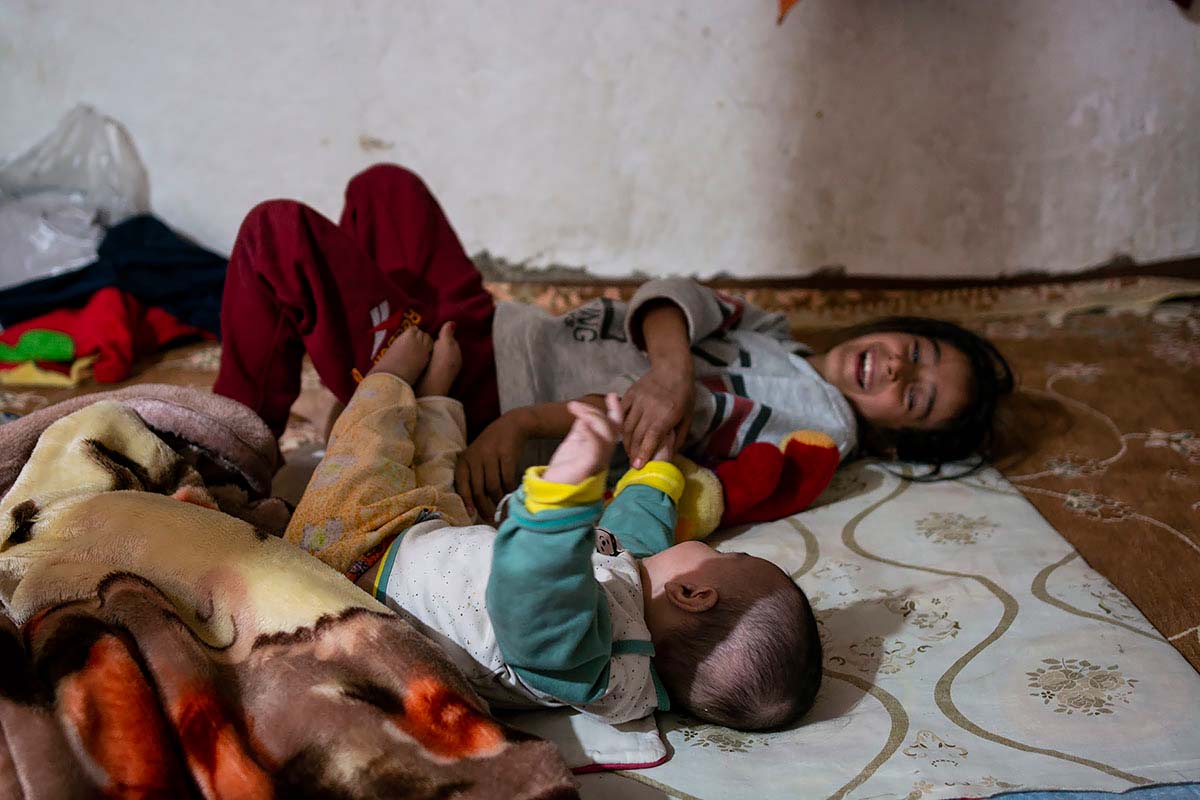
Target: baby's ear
(690, 597)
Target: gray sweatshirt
(753, 382)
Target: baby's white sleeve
(631, 691)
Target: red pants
(298, 283)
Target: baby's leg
(441, 429)
(439, 437)
(366, 490)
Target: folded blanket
(153, 645)
(224, 440)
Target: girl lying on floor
(698, 371)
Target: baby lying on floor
(569, 603)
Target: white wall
(931, 137)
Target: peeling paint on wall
(368, 143)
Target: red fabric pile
(113, 326)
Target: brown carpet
(1104, 438)
(1103, 435)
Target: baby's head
(924, 389)
(735, 639)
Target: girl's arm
(487, 469)
(666, 317)
(658, 407)
(706, 311)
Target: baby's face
(696, 562)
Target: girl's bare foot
(407, 356)
(443, 365)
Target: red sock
(749, 479)
(809, 461)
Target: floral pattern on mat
(1082, 686)
(954, 528)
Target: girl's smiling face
(898, 380)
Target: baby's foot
(407, 356)
(443, 365)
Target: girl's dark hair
(969, 432)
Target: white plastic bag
(88, 154)
(57, 197)
(45, 234)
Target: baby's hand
(589, 444)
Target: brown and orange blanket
(159, 641)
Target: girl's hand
(589, 444)
(487, 469)
(658, 411)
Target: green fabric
(660, 691)
(385, 570)
(39, 345)
(643, 520)
(637, 647)
(550, 616)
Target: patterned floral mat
(1103, 435)
(968, 652)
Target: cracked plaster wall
(926, 137)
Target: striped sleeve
(737, 420)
